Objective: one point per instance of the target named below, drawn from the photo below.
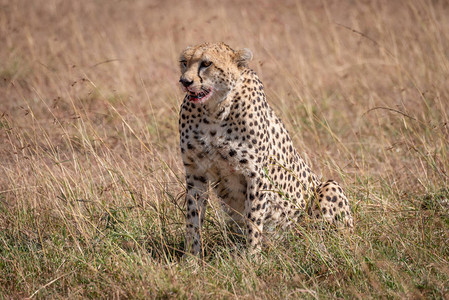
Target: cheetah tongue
(197, 96)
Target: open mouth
(201, 96)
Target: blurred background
(324, 65)
(89, 101)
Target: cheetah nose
(185, 82)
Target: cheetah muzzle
(232, 140)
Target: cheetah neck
(220, 110)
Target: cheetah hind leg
(332, 205)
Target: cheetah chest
(209, 146)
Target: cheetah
(232, 140)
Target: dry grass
(91, 187)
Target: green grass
(136, 252)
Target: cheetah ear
(243, 57)
(186, 52)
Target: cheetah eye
(183, 63)
(205, 64)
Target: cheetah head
(210, 71)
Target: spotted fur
(231, 139)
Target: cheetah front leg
(196, 199)
(255, 209)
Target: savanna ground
(91, 185)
